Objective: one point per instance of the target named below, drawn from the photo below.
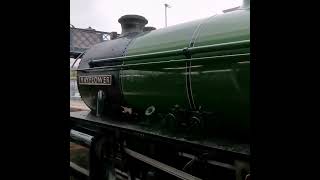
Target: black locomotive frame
(125, 151)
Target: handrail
(167, 61)
(184, 51)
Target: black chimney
(132, 23)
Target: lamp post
(165, 12)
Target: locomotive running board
(85, 122)
(84, 126)
(171, 170)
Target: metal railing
(83, 39)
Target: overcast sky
(103, 15)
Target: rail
(81, 139)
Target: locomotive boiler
(191, 78)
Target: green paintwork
(219, 77)
(149, 84)
(171, 38)
(229, 27)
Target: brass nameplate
(95, 80)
